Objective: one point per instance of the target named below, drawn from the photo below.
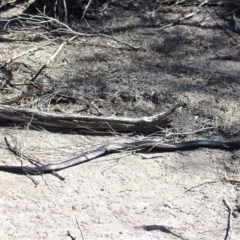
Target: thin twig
(229, 226)
(187, 133)
(199, 185)
(65, 11)
(17, 153)
(31, 50)
(47, 64)
(70, 235)
(188, 16)
(85, 9)
(61, 27)
(232, 181)
(12, 149)
(38, 163)
(35, 162)
(79, 228)
(55, 8)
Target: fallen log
(73, 121)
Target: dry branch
(32, 50)
(85, 9)
(73, 121)
(18, 154)
(61, 27)
(47, 64)
(229, 227)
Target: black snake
(143, 146)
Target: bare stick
(55, 9)
(61, 27)
(25, 53)
(47, 64)
(188, 16)
(70, 235)
(37, 163)
(232, 181)
(85, 9)
(117, 40)
(229, 226)
(187, 133)
(74, 121)
(65, 11)
(79, 228)
(18, 154)
(199, 185)
(12, 149)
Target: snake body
(143, 146)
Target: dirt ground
(188, 54)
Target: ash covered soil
(187, 54)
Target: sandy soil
(112, 197)
(195, 62)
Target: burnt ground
(188, 54)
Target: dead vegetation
(115, 59)
(48, 74)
